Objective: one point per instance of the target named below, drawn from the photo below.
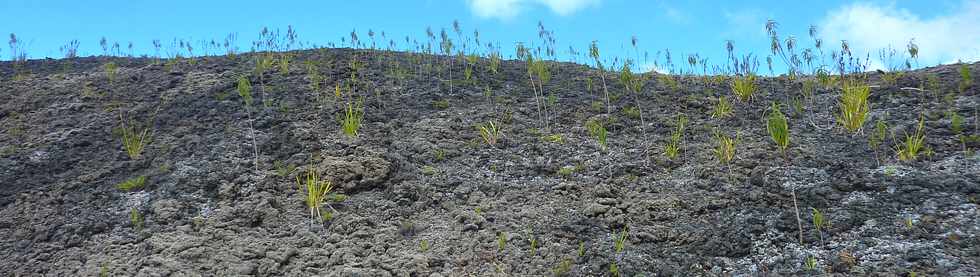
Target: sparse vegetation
(744, 87)
(878, 137)
(854, 106)
(673, 147)
(351, 122)
(725, 148)
(910, 148)
(723, 108)
(620, 240)
(134, 138)
(136, 219)
(423, 174)
(966, 80)
(245, 91)
(490, 133)
(597, 131)
(132, 184)
(317, 192)
(778, 129)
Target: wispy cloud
(745, 23)
(506, 9)
(941, 39)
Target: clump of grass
(965, 79)
(533, 241)
(136, 219)
(632, 112)
(110, 71)
(441, 104)
(723, 108)
(490, 132)
(613, 269)
(566, 171)
(316, 191)
(878, 137)
(501, 241)
(778, 128)
(744, 87)
(891, 78)
(725, 149)
(352, 119)
(620, 240)
(673, 147)
(563, 268)
(554, 138)
(810, 263)
(131, 184)
(282, 170)
(854, 106)
(597, 131)
(913, 144)
(819, 222)
(134, 138)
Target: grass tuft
(316, 193)
(744, 87)
(131, 184)
(854, 106)
(134, 139)
(778, 129)
(673, 147)
(597, 131)
(490, 133)
(136, 219)
(723, 108)
(913, 144)
(352, 119)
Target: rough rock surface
(426, 197)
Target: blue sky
(944, 29)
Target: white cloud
(506, 9)
(941, 39)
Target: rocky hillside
(419, 192)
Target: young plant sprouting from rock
(909, 149)
(317, 192)
(110, 72)
(723, 108)
(490, 132)
(134, 138)
(725, 148)
(965, 79)
(352, 119)
(501, 241)
(594, 53)
(810, 263)
(878, 137)
(633, 84)
(447, 48)
(744, 87)
(673, 147)
(136, 219)
(819, 222)
(620, 240)
(613, 269)
(854, 106)
(245, 91)
(494, 64)
(131, 184)
(597, 131)
(778, 128)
